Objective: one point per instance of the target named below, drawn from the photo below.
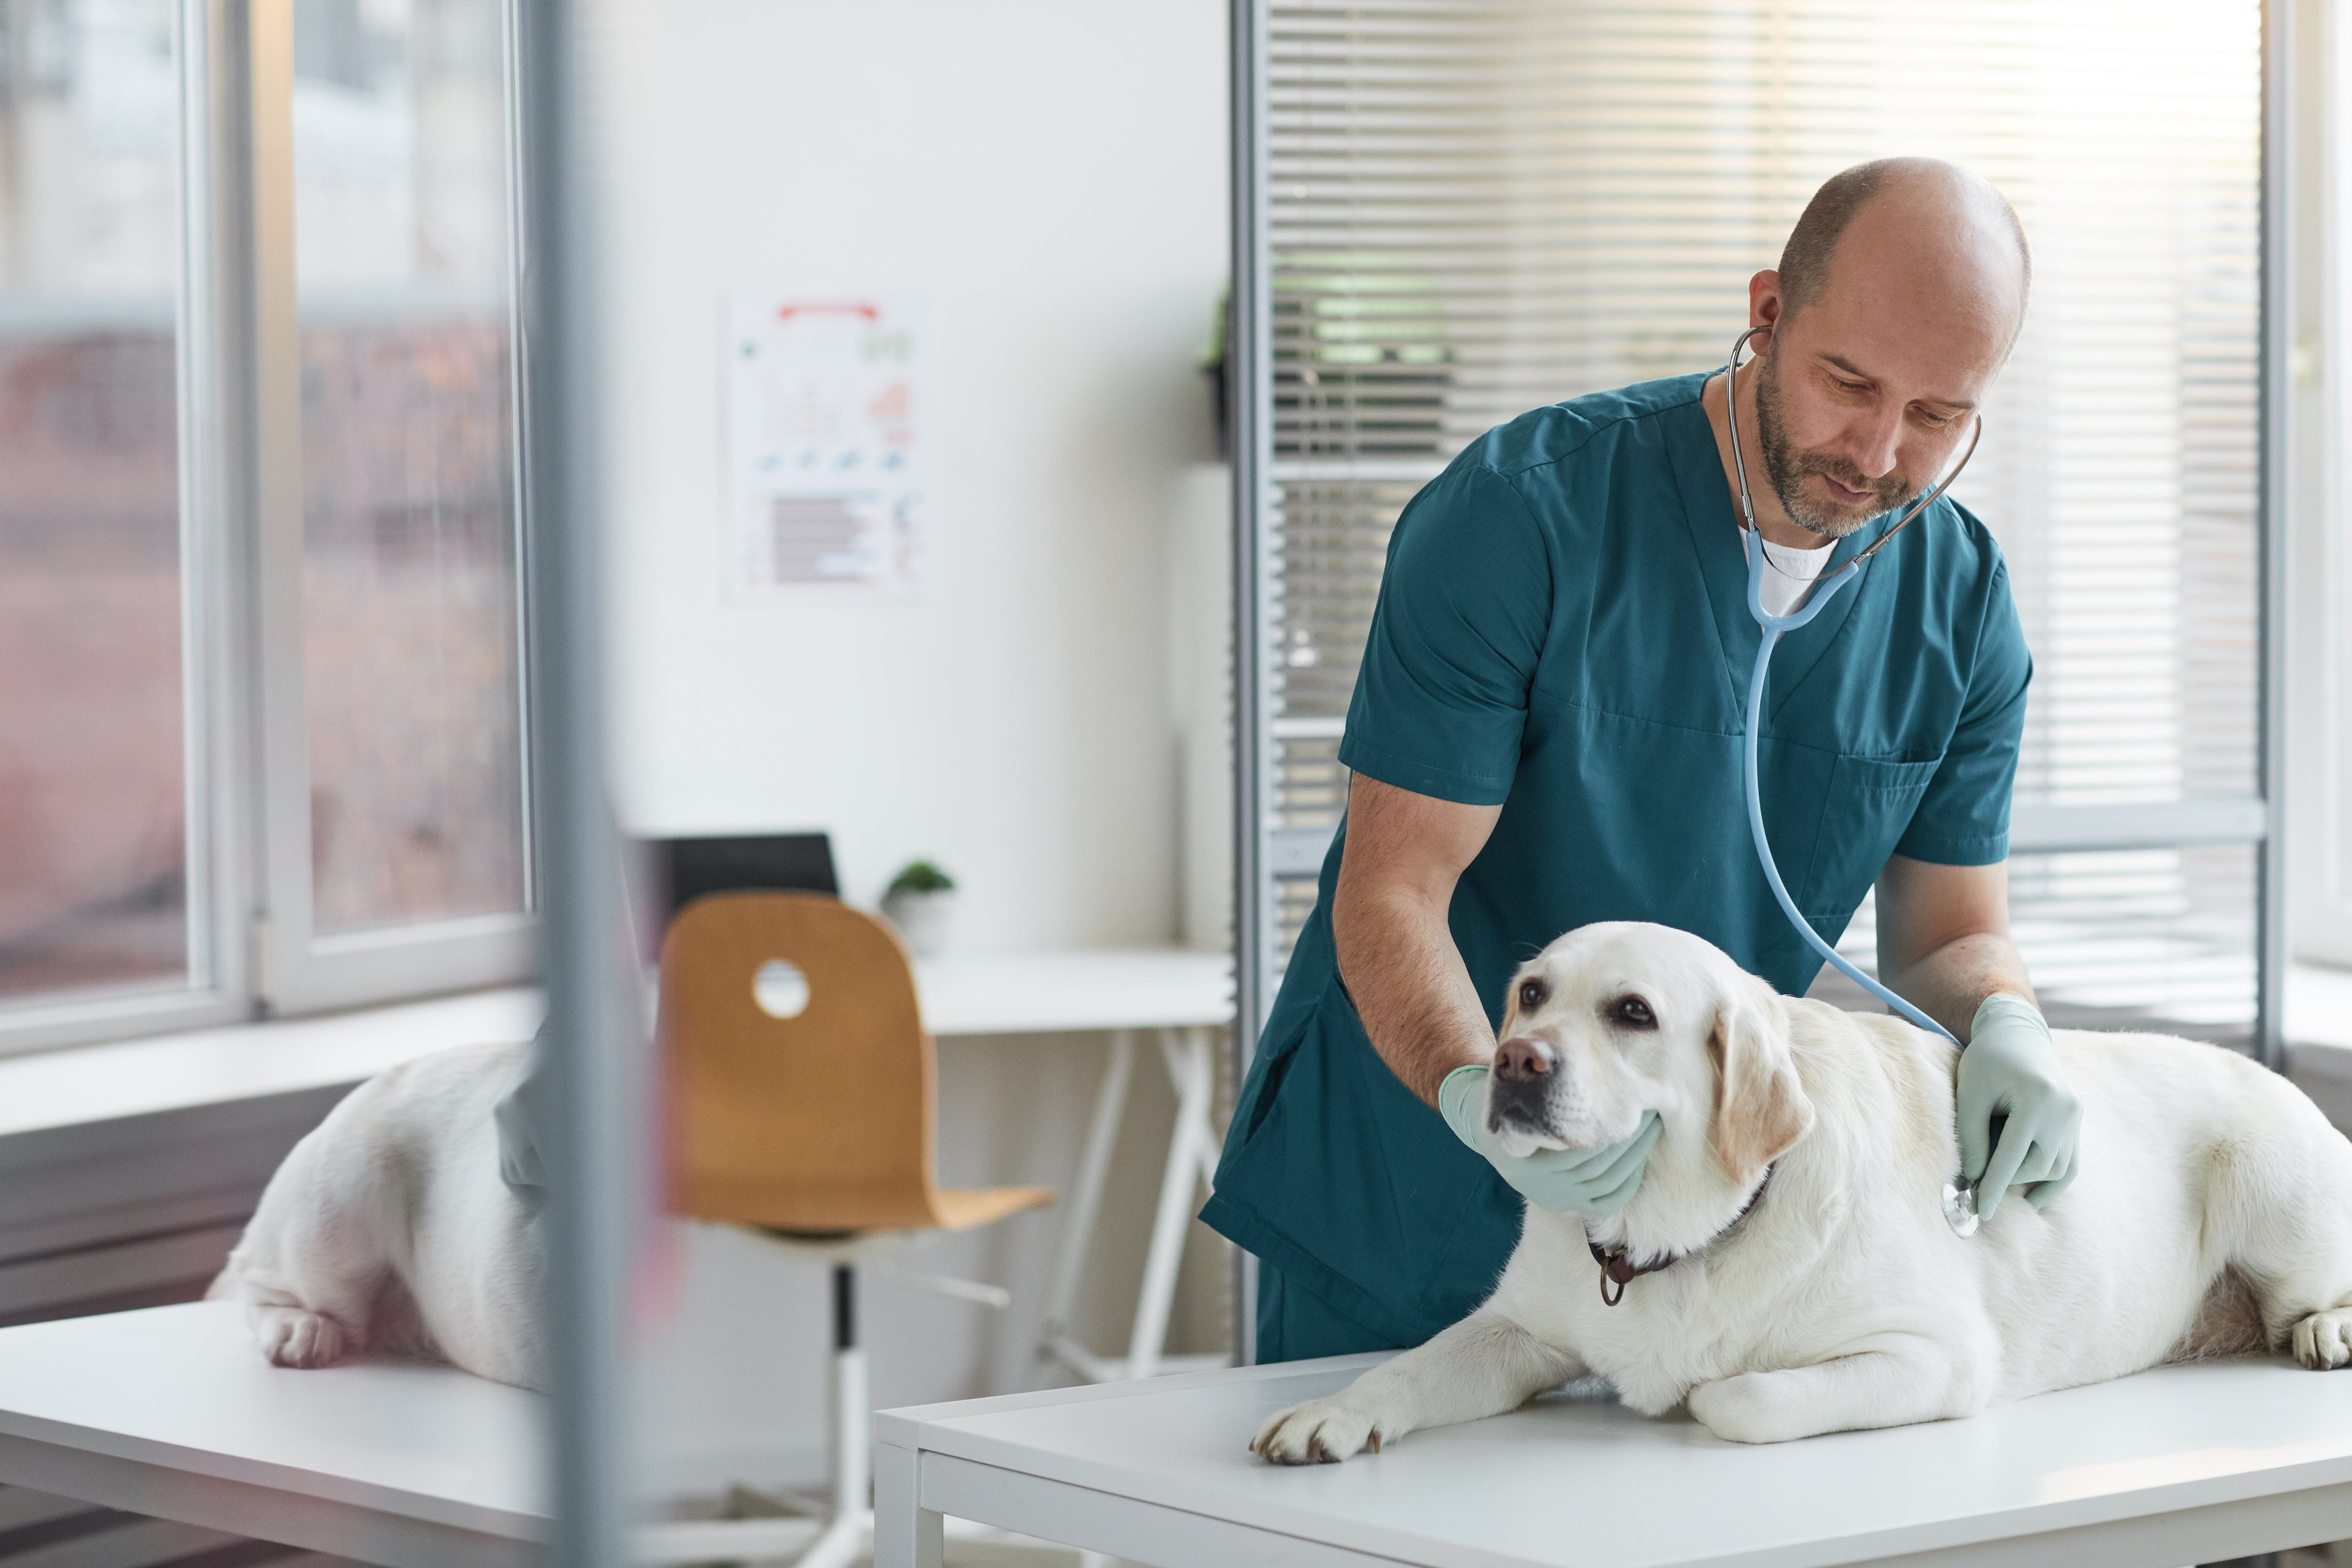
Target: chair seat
(853, 1246)
(825, 1213)
(960, 1208)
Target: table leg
(906, 1533)
(1086, 1197)
(1188, 1059)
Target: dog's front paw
(2322, 1342)
(1319, 1432)
(291, 1336)
(1742, 1409)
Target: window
(261, 742)
(1474, 209)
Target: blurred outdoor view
(409, 592)
(409, 572)
(93, 826)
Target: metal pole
(2276, 405)
(1249, 442)
(596, 1065)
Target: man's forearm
(1950, 983)
(1397, 959)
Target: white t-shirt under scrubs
(1789, 574)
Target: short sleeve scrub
(1562, 631)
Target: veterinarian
(1547, 731)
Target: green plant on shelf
(920, 877)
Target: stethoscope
(1959, 1196)
(1774, 628)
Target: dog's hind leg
(310, 1268)
(1481, 1366)
(2281, 1189)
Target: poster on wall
(824, 404)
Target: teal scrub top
(1563, 631)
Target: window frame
(252, 951)
(297, 971)
(2319, 688)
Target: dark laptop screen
(793, 862)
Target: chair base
(822, 1543)
(729, 1540)
(841, 1533)
(1097, 1368)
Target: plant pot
(922, 919)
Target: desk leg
(906, 1534)
(1094, 1167)
(1193, 1114)
(1190, 1152)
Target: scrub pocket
(1865, 811)
(1360, 1191)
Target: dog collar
(1618, 1270)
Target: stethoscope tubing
(1772, 628)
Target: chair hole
(781, 989)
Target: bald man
(1547, 731)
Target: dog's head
(1615, 1020)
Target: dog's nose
(1522, 1060)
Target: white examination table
(2184, 1463)
(172, 1412)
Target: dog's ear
(1761, 1108)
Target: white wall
(1051, 174)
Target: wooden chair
(815, 1131)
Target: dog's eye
(1531, 996)
(1634, 1013)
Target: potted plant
(919, 901)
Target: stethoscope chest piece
(1960, 1208)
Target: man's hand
(2011, 1069)
(1943, 942)
(1565, 1180)
(1405, 852)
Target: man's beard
(1785, 468)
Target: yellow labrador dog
(387, 1228)
(1796, 1276)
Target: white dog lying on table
(387, 1228)
(1805, 1281)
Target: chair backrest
(818, 1122)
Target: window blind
(1476, 208)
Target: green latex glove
(1565, 1180)
(2011, 1069)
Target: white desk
(1048, 992)
(1188, 998)
(2180, 1465)
(172, 1412)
